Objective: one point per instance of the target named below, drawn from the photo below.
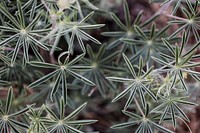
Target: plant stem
(137, 104)
(54, 23)
(175, 17)
(48, 9)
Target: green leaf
(16, 50)
(101, 52)
(114, 44)
(18, 124)
(151, 94)
(174, 77)
(25, 52)
(164, 114)
(33, 22)
(89, 27)
(183, 42)
(113, 33)
(9, 16)
(176, 55)
(81, 78)
(140, 128)
(178, 31)
(81, 122)
(109, 57)
(130, 99)
(191, 65)
(43, 79)
(147, 72)
(90, 52)
(4, 82)
(75, 60)
(74, 130)
(131, 41)
(128, 63)
(86, 18)
(37, 54)
(186, 102)
(127, 14)
(125, 124)
(9, 100)
(160, 61)
(195, 77)
(146, 110)
(191, 72)
(192, 49)
(89, 4)
(81, 68)
(112, 68)
(140, 66)
(62, 108)
(117, 79)
(161, 32)
(142, 97)
(118, 22)
(75, 112)
(166, 56)
(132, 115)
(173, 115)
(20, 112)
(56, 85)
(124, 92)
(152, 31)
(80, 41)
(99, 83)
(187, 58)
(50, 112)
(11, 126)
(10, 29)
(149, 129)
(11, 38)
(87, 36)
(64, 87)
(181, 112)
(151, 19)
(21, 14)
(190, 6)
(182, 81)
(140, 32)
(35, 32)
(168, 46)
(36, 42)
(138, 18)
(43, 64)
(161, 128)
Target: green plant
(47, 47)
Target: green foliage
(102, 65)
(139, 83)
(47, 47)
(9, 120)
(61, 71)
(191, 21)
(147, 122)
(23, 36)
(62, 123)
